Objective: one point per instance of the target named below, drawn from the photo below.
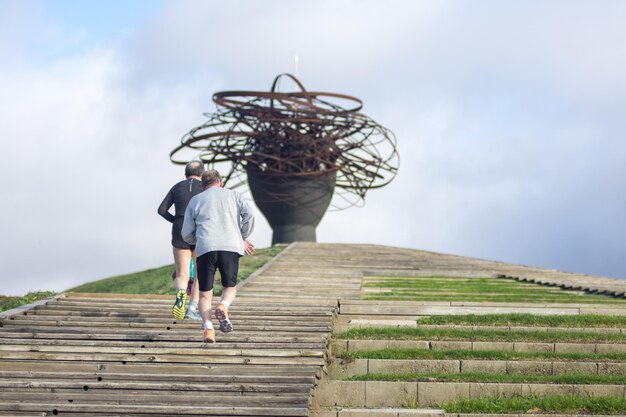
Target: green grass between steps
(474, 289)
(159, 280)
(410, 333)
(575, 299)
(488, 377)
(9, 302)
(458, 354)
(523, 319)
(555, 404)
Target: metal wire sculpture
(295, 134)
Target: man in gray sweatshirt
(218, 221)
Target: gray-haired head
(211, 177)
(194, 169)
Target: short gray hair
(194, 168)
(210, 177)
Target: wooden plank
(149, 409)
(87, 385)
(163, 326)
(47, 396)
(162, 375)
(166, 310)
(96, 295)
(259, 315)
(242, 303)
(246, 321)
(175, 328)
(206, 352)
(172, 344)
(130, 336)
(126, 358)
(305, 325)
(152, 368)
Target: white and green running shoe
(192, 315)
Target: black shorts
(207, 264)
(177, 238)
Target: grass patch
(499, 355)
(576, 378)
(532, 404)
(9, 302)
(523, 319)
(159, 280)
(410, 333)
(456, 285)
(504, 298)
(438, 288)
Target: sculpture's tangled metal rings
(295, 134)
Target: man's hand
(248, 247)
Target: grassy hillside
(159, 280)
(9, 302)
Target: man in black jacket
(179, 196)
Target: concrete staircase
(335, 397)
(112, 354)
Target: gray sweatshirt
(217, 219)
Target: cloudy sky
(509, 118)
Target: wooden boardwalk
(108, 355)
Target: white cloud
(508, 118)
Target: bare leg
(229, 294)
(195, 289)
(181, 262)
(205, 305)
(221, 311)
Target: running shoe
(178, 310)
(221, 313)
(192, 315)
(209, 336)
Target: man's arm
(247, 218)
(188, 231)
(164, 208)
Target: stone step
(377, 394)
(341, 369)
(338, 346)
(534, 415)
(443, 310)
(360, 321)
(379, 412)
(619, 304)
